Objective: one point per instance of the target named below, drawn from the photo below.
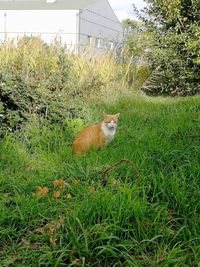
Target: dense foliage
(136, 44)
(33, 78)
(46, 81)
(173, 30)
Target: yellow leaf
(57, 194)
(114, 181)
(91, 189)
(68, 196)
(42, 191)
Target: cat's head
(111, 120)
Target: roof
(43, 4)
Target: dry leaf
(34, 246)
(29, 245)
(67, 185)
(51, 227)
(52, 241)
(59, 182)
(76, 181)
(39, 230)
(25, 242)
(42, 191)
(57, 194)
(61, 220)
(76, 261)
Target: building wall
(45, 23)
(99, 27)
(96, 26)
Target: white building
(79, 23)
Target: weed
(55, 211)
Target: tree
(175, 27)
(134, 52)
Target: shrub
(34, 79)
(137, 43)
(45, 81)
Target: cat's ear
(117, 115)
(104, 114)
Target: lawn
(56, 209)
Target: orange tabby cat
(97, 135)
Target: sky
(123, 8)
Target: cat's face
(111, 120)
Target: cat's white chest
(109, 133)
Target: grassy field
(57, 210)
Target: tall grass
(55, 208)
(52, 67)
(127, 222)
(46, 81)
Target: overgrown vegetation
(170, 44)
(45, 81)
(135, 52)
(56, 210)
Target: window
(90, 41)
(111, 45)
(98, 42)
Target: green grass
(149, 222)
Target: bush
(176, 31)
(45, 81)
(178, 64)
(34, 79)
(137, 43)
